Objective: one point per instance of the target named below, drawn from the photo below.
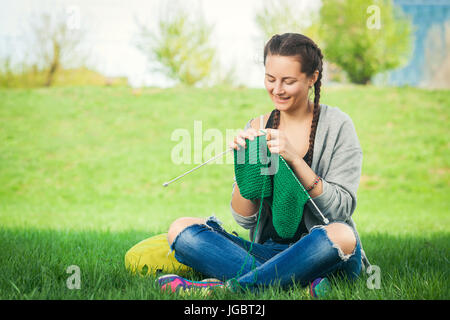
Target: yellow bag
(151, 256)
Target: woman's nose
(278, 89)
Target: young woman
(321, 146)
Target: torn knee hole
(177, 235)
(342, 238)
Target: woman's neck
(298, 116)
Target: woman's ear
(315, 76)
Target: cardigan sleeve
(246, 222)
(341, 179)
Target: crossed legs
(340, 234)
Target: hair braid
(314, 122)
(316, 112)
(276, 119)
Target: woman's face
(286, 85)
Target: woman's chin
(282, 106)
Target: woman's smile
(281, 99)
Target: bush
(354, 41)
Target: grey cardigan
(337, 158)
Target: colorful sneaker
(176, 283)
(319, 287)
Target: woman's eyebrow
(267, 74)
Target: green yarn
(283, 189)
(239, 273)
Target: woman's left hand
(277, 142)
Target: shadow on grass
(34, 263)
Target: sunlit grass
(81, 174)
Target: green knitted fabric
(284, 189)
(248, 169)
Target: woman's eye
(288, 83)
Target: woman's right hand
(239, 140)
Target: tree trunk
(54, 65)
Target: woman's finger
(255, 132)
(268, 134)
(250, 134)
(272, 134)
(274, 150)
(240, 141)
(273, 143)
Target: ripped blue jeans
(210, 250)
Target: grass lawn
(82, 168)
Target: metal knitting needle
(167, 183)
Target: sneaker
(319, 287)
(176, 283)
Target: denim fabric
(212, 251)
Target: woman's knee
(343, 236)
(179, 225)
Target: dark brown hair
(310, 56)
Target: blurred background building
(430, 62)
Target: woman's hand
(277, 142)
(250, 134)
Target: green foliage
(181, 46)
(29, 76)
(20, 76)
(354, 41)
(282, 16)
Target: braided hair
(298, 45)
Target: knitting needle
(165, 184)
(320, 212)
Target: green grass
(82, 168)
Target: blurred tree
(224, 75)
(181, 46)
(281, 16)
(56, 44)
(365, 37)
